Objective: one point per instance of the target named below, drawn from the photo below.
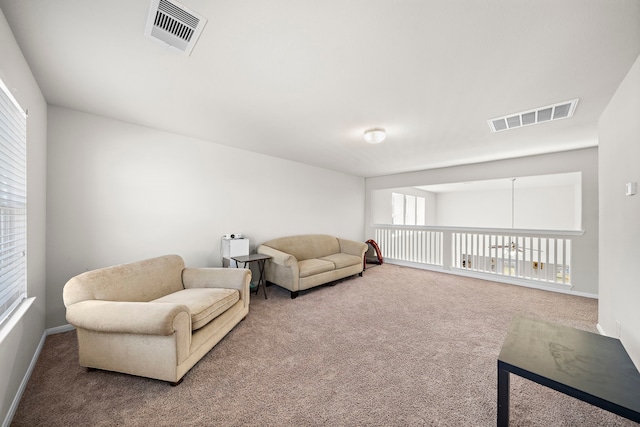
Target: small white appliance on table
(233, 245)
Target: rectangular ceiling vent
(174, 25)
(558, 111)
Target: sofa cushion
(309, 267)
(204, 304)
(343, 260)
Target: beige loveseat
(154, 318)
(302, 262)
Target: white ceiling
(302, 80)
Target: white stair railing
(530, 255)
(411, 244)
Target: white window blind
(397, 207)
(407, 209)
(13, 203)
(410, 210)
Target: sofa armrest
(146, 318)
(352, 247)
(278, 257)
(282, 269)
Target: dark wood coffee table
(590, 367)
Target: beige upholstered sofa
(302, 262)
(154, 318)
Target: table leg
(245, 266)
(503, 397)
(261, 279)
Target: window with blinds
(13, 203)
(407, 209)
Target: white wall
(490, 209)
(18, 345)
(584, 248)
(619, 163)
(381, 209)
(550, 208)
(118, 193)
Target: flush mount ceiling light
(374, 135)
(562, 110)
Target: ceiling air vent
(562, 110)
(174, 25)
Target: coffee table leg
(503, 397)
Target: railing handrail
(481, 230)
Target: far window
(13, 203)
(407, 209)
(420, 211)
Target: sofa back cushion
(136, 282)
(306, 246)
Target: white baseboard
(23, 384)
(60, 329)
(495, 278)
(602, 332)
(32, 365)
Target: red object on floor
(372, 243)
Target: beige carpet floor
(397, 347)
